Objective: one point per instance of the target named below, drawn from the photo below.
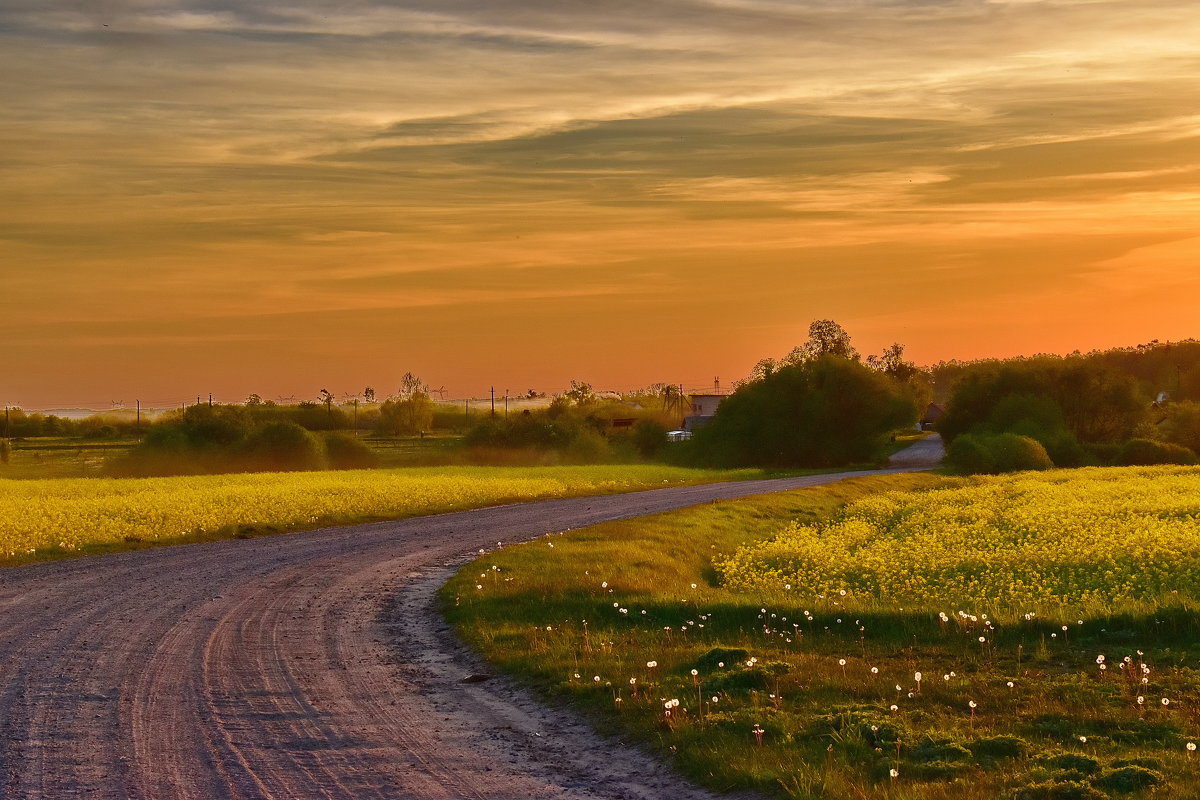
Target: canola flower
(1091, 536)
(70, 513)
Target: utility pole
(506, 405)
(139, 414)
(356, 418)
(467, 410)
(210, 399)
(6, 422)
(493, 390)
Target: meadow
(42, 519)
(915, 636)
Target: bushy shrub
(968, 455)
(1148, 452)
(649, 437)
(346, 452)
(992, 454)
(283, 447)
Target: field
(51, 518)
(1026, 636)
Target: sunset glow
(204, 195)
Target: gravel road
(310, 665)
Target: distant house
(704, 408)
(931, 416)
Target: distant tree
(580, 393)
(410, 412)
(254, 401)
(326, 397)
(369, 394)
(892, 362)
(410, 384)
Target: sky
(277, 197)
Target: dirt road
(302, 666)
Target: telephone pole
(493, 390)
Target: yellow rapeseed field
(1068, 538)
(67, 514)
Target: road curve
(309, 665)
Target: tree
(827, 338)
(410, 412)
(327, 398)
(410, 384)
(827, 411)
(892, 362)
(369, 395)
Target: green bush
(971, 454)
(347, 452)
(1148, 452)
(1015, 453)
(649, 437)
(284, 447)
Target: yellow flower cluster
(69, 513)
(1079, 537)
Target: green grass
(545, 613)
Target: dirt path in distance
(310, 665)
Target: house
(704, 408)
(931, 416)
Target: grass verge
(837, 696)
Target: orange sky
(277, 198)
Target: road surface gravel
(310, 665)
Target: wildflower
(1140, 700)
(874, 670)
(1010, 684)
(714, 698)
(972, 704)
(651, 664)
(1166, 701)
(596, 678)
(895, 773)
(695, 673)
(1191, 747)
(918, 677)
(894, 707)
(1083, 740)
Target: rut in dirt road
(309, 665)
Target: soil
(311, 665)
